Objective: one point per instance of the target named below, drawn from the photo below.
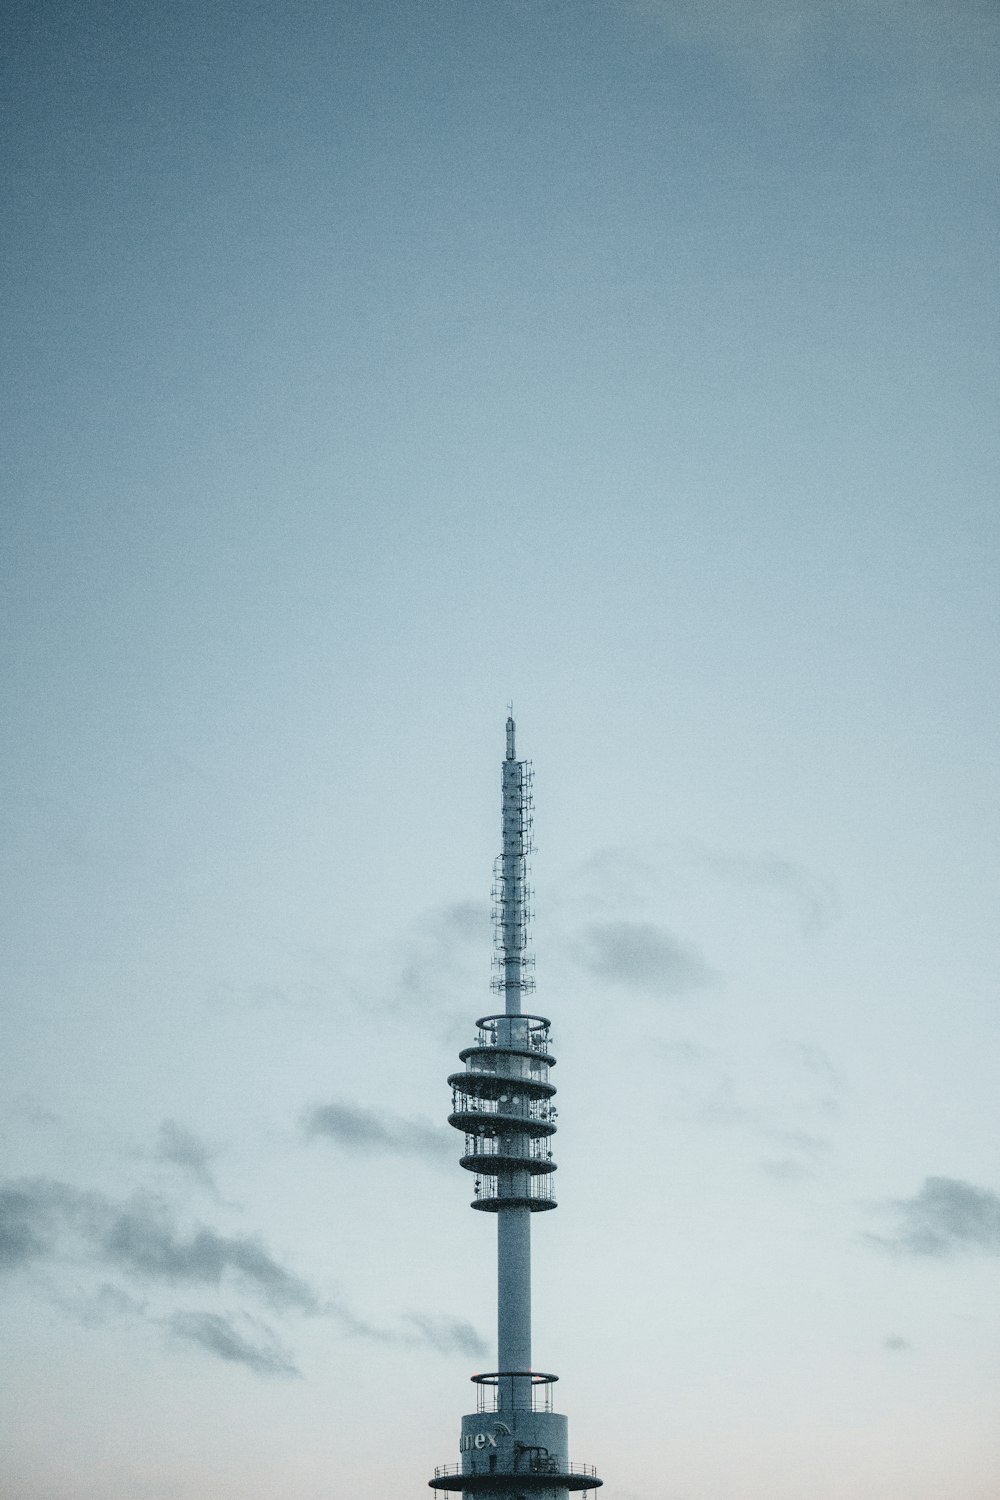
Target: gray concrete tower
(513, 1445)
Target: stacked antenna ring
(502, 1102)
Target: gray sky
(369, 365)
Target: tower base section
(513, 1453)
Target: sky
(369, 366)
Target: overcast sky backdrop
(368, 365)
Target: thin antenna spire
(511, 894)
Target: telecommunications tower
(513, 1445)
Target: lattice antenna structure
(514, 1444)
(511, 893)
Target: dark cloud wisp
(946, 1217)
(41, 1218)
(181, 1148)
(435, 958)
(257, 1348)
(32, 1211)
(642, 956)
(142, 1242)
(362, 1130)
(447, 1335)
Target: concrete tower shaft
(514, 1443)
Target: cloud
(30, 1214)
(109, 1304)
(627, 881)
(43, 1219)
(794, 1153)
(262, 1353)
(802, 1141)
(780, 28)
(938, 59)
(447, 1335)
(817, 1062)
(183, 1149)
(364, 1130)
(359, 1328)
(39, 1217)
(786, 1169)
(143, 1243)
(436, 956)
(642, 956)
(779, 883)
(443, 1334)
(945, 1218)
(895, 1341)
(805, 1151)
(621, 875)
(20, 1237)
(680, 1051)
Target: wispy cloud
(355, 1327)
(447, 1335)
(637, 884)
(803, 1152)
(679, 1052)
(182, 1149)
(785, 1169)
(938, 60)
(43, 1221)
(819, 1063)
(794, 1152)
(783, 29)
(141, 1240)
(256, 1346)
(108, 1305)
(727, 1107)
(31, 1211)
(947, 1217)
(38, 1216)
(442, 951)
(360, 1129)
(619, 875)
(778, 883)
(642, 956)
(802, 1142)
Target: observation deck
(502, 1101)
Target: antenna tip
(510, 732)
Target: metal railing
(500, 1383)
(523, 1109)
(587, 1471)
(540, 1189)
(517, 1067)
(524, 1030)
(539, 1147)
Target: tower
(514, 1445)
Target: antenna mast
(511, 893)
